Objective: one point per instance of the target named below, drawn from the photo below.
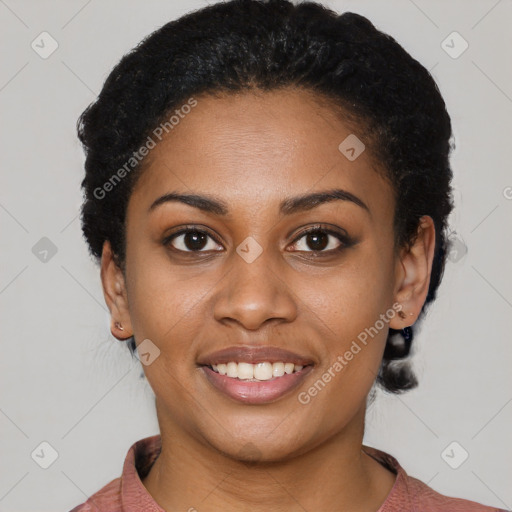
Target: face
(258, 277)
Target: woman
(267, 188)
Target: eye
(191, 240)
(321, 240)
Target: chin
(260, 446)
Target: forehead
(256, 148)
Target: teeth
(244, 371)
(278, 369)
(232, 370)
(258, 371)
(263, 371)
(288, 367)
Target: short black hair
(242, 45)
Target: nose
(254, 293)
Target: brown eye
(321, 240)
(191, 240)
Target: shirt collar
(141, 456)
(398, 497)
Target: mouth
(255, 375)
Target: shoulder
(107, 498)
(412, 495)
(127, 490)
(426, 499)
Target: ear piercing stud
(403, 316)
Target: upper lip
(253, 355)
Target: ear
(413, 271)
(114, 291)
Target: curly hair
(239, 45)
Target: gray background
(65, 380)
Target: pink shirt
(128, 494)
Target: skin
(253, 150)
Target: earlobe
(415, 267)
(114, 292)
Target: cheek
(164, 302)
(354, 303)
(353, 295)
(351, 306)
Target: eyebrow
(289, 206)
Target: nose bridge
(254, 290)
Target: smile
(255, 374)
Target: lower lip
(256, 392)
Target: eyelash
(345, 240)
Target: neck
(336, 475)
